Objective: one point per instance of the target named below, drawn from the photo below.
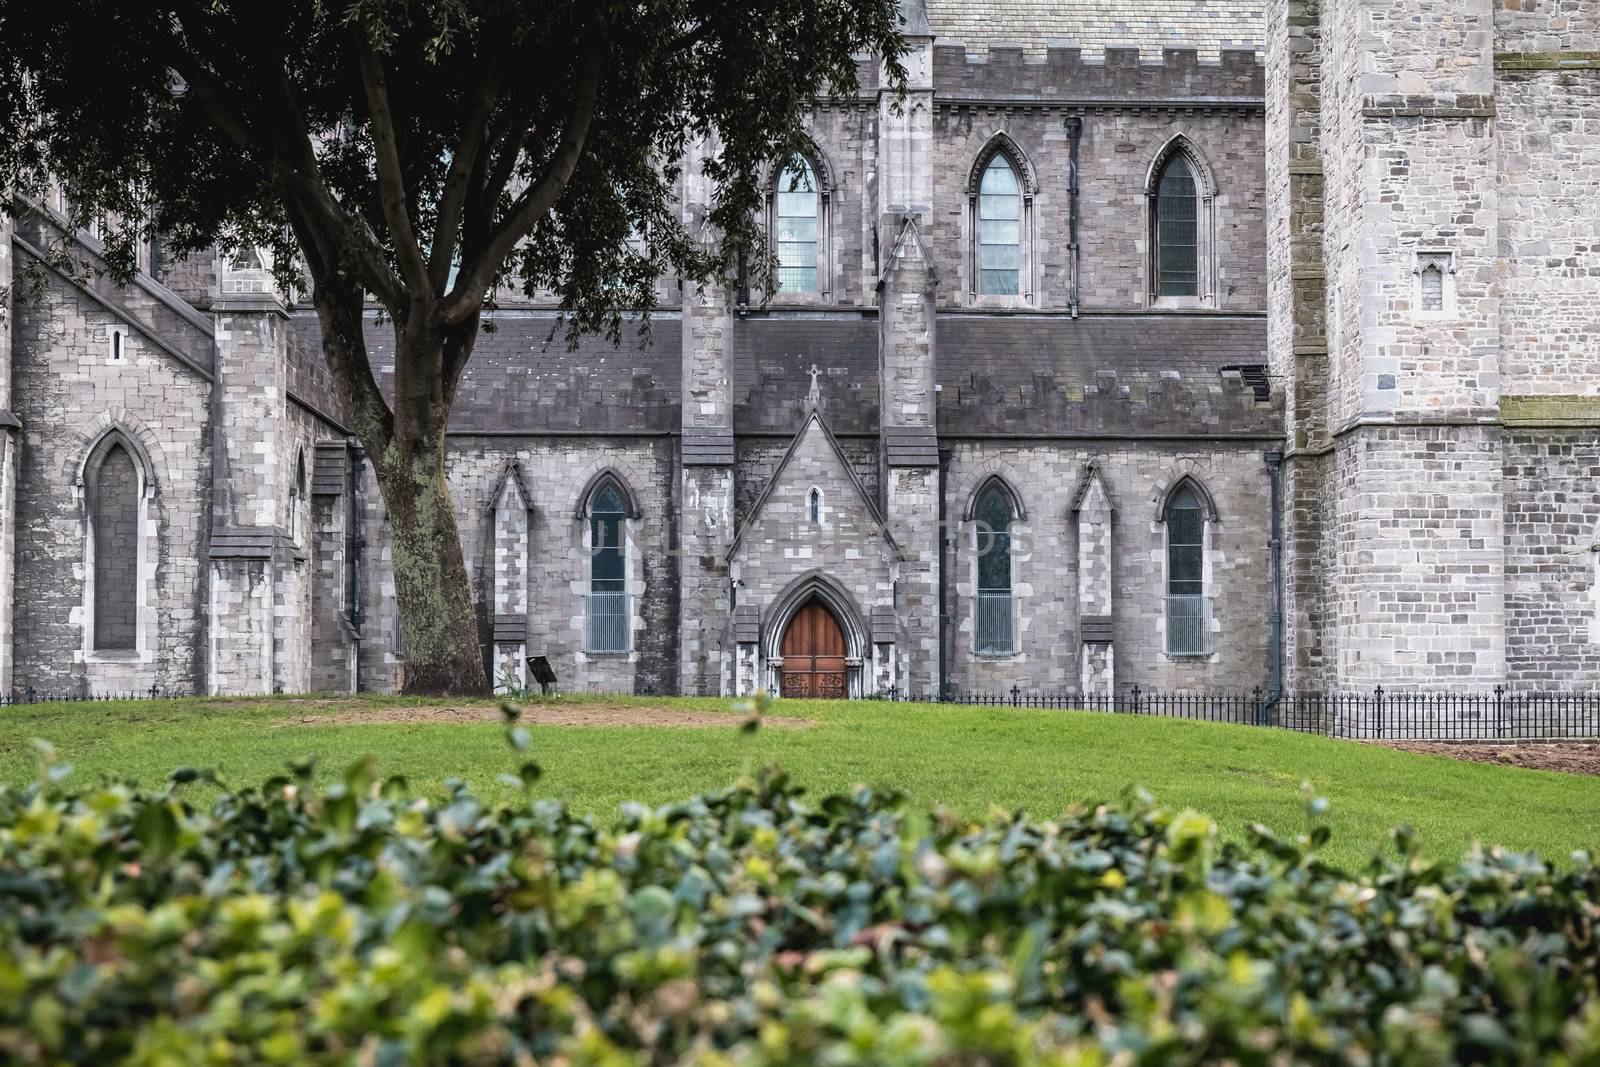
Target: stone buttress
(706, 462)
(248, 551)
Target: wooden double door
(813, 655)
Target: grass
(970, 759)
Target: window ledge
(114, 655)
(1012, 654)
(610, 653)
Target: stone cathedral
(1187, 345)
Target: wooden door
(813, 655)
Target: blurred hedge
(363, 924)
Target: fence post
(1136, 700)
(1380, 710)
(1015, 693)
(1499, 711)
(1261, 709)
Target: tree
(419, 155)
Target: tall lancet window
(999, 229)
(994, 631)
(1177, 236)
(608, 598)
(1188, 608)
(114, 497)
(798, 207)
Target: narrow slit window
(999, 230)
(797, 210)
(814, 506)
(1177, 222)
(116, 345)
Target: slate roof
(1150, 25)
(1112, 374)
(520, 379)
(1032, 374)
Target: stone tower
(1434, 322)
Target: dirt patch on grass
(332, 713)
(1572, 757)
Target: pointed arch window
(113, 497)
(814, 506)
(993, 631)
(1177, 230)
(1188, 607)
(609, 612)
(999, 229)
(797, 211)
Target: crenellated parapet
(1117, 76)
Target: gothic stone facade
(1053, 328)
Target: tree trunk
(437, 620)
(438, 625)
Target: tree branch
(292, 159)
(463, 165)
(467, 297)
(391, 180)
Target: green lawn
(967, 758)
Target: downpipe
(357, 552)
(1274, 459)
(944, 544)
(1074, 126)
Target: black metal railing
(28, 694)
(1392, 714)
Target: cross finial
(815, 399)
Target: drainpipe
(1074, 132)
(358, 543)
(944, 542)
(1274, 460)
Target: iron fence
(1383, 714)
(1502, 714)
(28, 694)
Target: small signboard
(540, 670)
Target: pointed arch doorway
(814, 654)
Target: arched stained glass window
(115, 500)
(797, 209)
(993, 631)
(1177, 223)
(609, 614)
(999, 229)
(1188, 614)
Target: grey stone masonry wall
(1214, 109)
(1419, 580)
(556, 472)
(1047, 562)
(68, 395)
(1548, 147)
(114, 515)
(1552, 531)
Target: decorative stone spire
(814, 398)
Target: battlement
(1115, 73)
